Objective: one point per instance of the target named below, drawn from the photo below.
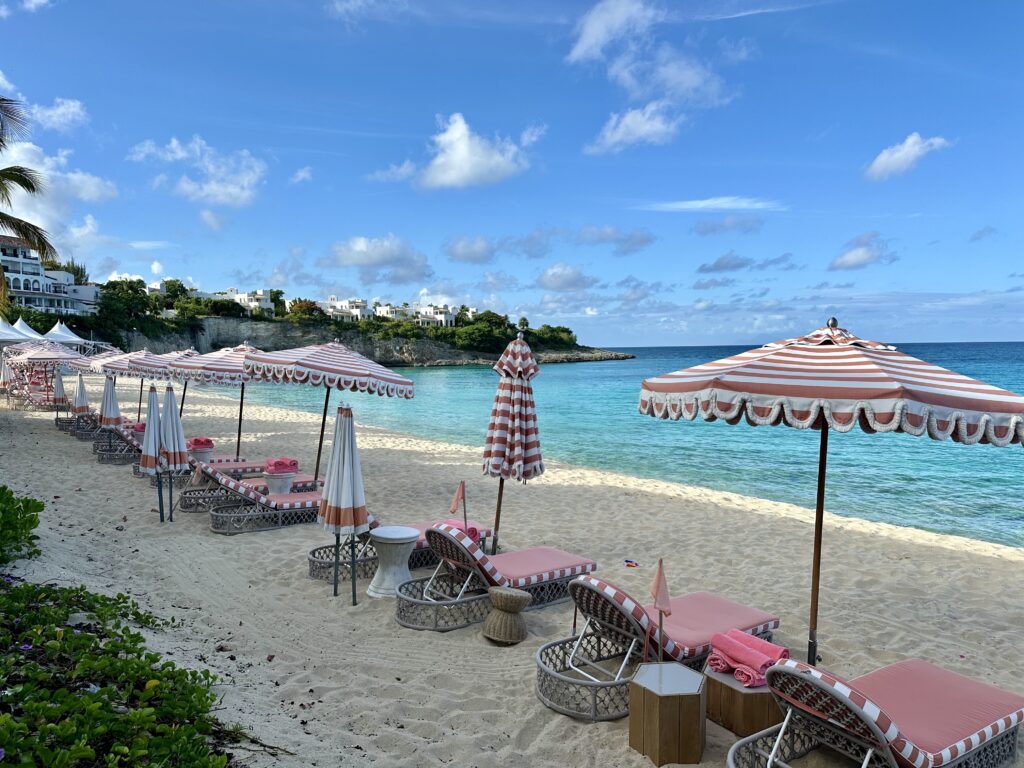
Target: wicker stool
(505, 624)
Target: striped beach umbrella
(221, 367)
(130, 364)
(110, 413)
(150, 462)
(343, 501)
(831, 380)
(512, 447)
(60, 399)
(80, 405)
(173, 449)
(159, 367)
(6, 375)
(86, 364)
(332, 366)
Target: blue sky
(646, 173)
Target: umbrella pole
(160, 495)
(320, 448)
(819, 514)
(352, 573)
(170, 497)
(337, 560)
(184, 391)
(238, 439)
(661, 636)
(497, 515)
(138, 417)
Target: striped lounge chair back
(821, 702)
(613, 609)
(461, 552)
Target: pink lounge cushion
(944, 714)
(482, 530)
(699, 615)
(306, 500)
(539, 564)
(258, 484)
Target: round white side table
(394, 544)
(280, 482)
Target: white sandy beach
(348, 686)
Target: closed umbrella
(110, 413)
(512, 447)
(6, 375)
(343, 502)
(80, 406)
(60, 399)
(173, 449)
(831, 380)
(332, 366)
(149, 461)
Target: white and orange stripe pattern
(833, 375)
(80, 405)
(110, 413)
(59, 397)
(512, 446)
(221, 367)
(331, 365)
(343, 508)
(149, 461)
(173, 448)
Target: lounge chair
(911, 714)
(206, 491)
(117, 446)
(587, 675)
(246, 510)
(321, 559)
(456, 594)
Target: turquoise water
(587, 415)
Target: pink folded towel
(472, 532)
(200, 444)
(139, 427)
(747, 655)
(281, 466)
(720, 662)
(750, 677)
(771, 650)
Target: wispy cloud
(708, 204)
(900, 158)
(625, 243)
(745, 225)
(864, 250)
(388, 259)
(987, 231)
(62, 116)
(727, 262)
(301, 174)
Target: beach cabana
(512, 447)
(332, 366)
(833, 381)
(221, 367)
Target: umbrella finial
(519, 336)
(832, 323)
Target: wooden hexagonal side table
(666, 713)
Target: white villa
(251, 300)
(346, 310)
(53, 291)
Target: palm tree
(14, 125)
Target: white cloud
(471, 250)
(224, 179)
(62, 115)
(727, 203)
(532, 134)
(353, 11)
(737, 51)
(156, 268)
(625, 242)
(652, 124)
(535, 244)
(498, 281)
(6, 85)
(148, 245)
(34, 5)
(667, 74)
(302, 174)
(462, 158)
(395, 172)
(863, 250)
(713, 282)
(4, 13)
(564, 277)
(900, 158)
(608, 21)
(387, 259)
(727, 262)
(211, 219)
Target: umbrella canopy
(124, 364)
(833, 380)
(512, 447)
(45, 356)
(173, 449)
(333, 366)
(86, 364)
(110, 413)
(149, 462)
(159, 366)
(25, 330)
(9, 333)
(80, 406)
(60, 399)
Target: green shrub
(88, 693)
(19, 518)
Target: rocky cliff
(217, 332)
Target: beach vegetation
(19, 518)
(303, 310)
(14, 126)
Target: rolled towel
(742, 654)
(199, 444)
(750, 677)
(720, 662)
(281, 466)
(771, 650)
(471, 532)
(139, 427)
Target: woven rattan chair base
(203, 499)
(116, 455)
(64, 423)
(180, 479)
(321, 563)
(414, 611)
(240, 517)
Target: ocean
(587, 414)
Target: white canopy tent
(65, 335)
(26, 330)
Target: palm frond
(19, 176)
(36, 237)
(13, 120)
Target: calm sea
(588, 416)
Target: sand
(349, 686)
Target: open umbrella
(333, 366)
(87, 364)
(831, 380)
(127, 365)
(512, 448)
(343, 504)
(149, 461)
(159, 367)
(221, 367)
(173, 449)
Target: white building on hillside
(251, 300)
(29, 285)
(440, 315)
(346, 310)
(393, 312)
